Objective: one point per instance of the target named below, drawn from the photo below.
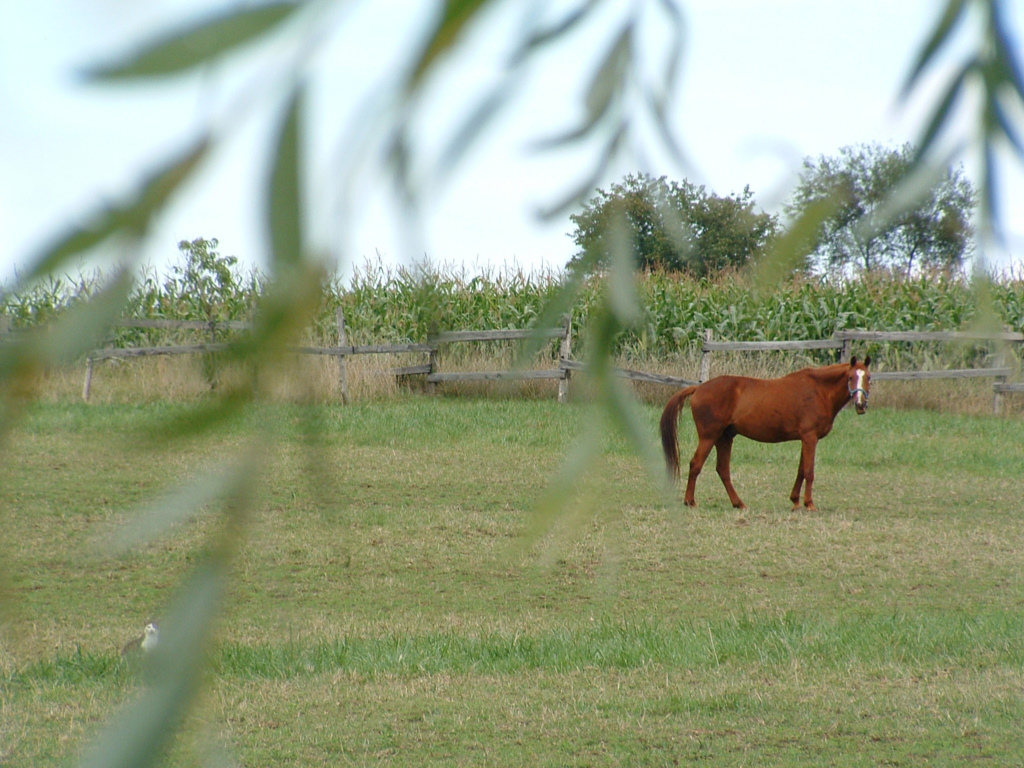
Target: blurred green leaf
(663, 123)
(590, 182)
(609, 80)
(464, 138)
(132, 218)
(198, 44)
(790, 251)
(452, 22)
(952, 14)
(676, 46)
(606, 84)
(906, 195)
(186, 501)
(553, 313)
(76, 330)
(141, 732)
(584, 452)
(207, 416)
(550, 34)
(621, 276)
(945, 105)
(994, 68)
(1007, 50)
(284, 204)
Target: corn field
(410, 304)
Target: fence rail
(910, 336)
(843, 340)
(632, 375)
(564, 366)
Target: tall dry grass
(410, 304)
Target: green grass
(386, 611)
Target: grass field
(385, 609)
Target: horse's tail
(669, 423)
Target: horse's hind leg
(723, 449)
(704, 447)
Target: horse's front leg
(805, 473)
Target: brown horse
(800, 406)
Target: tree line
(679, 226)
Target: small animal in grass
(144, 643)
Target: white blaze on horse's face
(859, 390)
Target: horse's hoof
(741, 505)
(690, 503)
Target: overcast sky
(764, 85)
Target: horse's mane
(828, 372)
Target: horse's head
(858, 381)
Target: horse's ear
(853, 361)
(867, 361)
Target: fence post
(705, 357)
(1000, 362)
(342, 359)
(564, 353)
(844, 356)
(5, 324)
(432, 364)
(87, 386)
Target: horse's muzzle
(860, 400)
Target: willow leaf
(1007, 51)
(989, 185)
(140, 733)
(584, 188)
(474, 125)
(284, 207)
(453, 21)
(131, 218)
(75, 332)
(676, 45)
(82, 327)
(662, 122)
(609, 78)
(197, 45)
(791, 249)
(945, 105)
(580, 457)
(555, 312)
(1009, 129)
(185, 503)
(621, 276)
(954, 11)
(557, 30)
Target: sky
(763, 86)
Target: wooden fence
(843, 341)
(563, 368)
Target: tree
(207, 279)
(671, 225)
(864, 231)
